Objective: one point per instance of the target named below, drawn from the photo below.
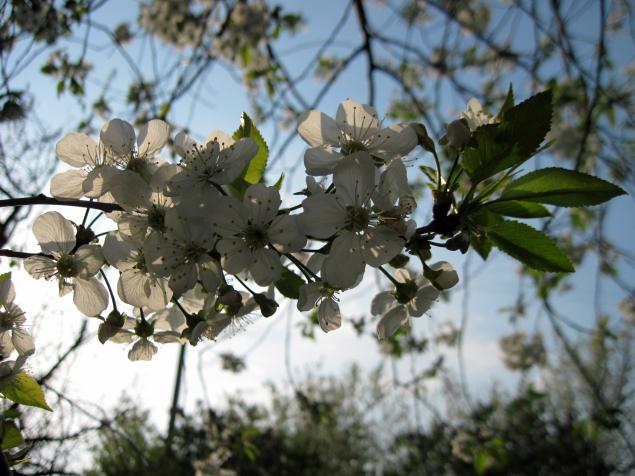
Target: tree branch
(44, 200)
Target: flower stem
(389, 276)
(302, 267)
(112, 295)
(244, 285)
(178, 304)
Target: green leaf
(561, 187)
(529, 246)
(491, 154)
(481, 245)
(255, 170)
(4, 277)
(11, 413)
(11, 436)
(24, 389)
(508, 104)
(512, 142)
(165, 109)
(289, 284)
(278, 183)
(519, 209)
(527, 123)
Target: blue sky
(100, 373)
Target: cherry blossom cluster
(195, 257)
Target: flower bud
(228, 296)
(268, 306)
(458, 133)
(113, 323)
(461, 242)
(442, 275)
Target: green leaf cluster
(501, 148)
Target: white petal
(380, 245)
(382, 302)
(185, 145)
(6, 344)
(90, 296)
(90, 259)
(119, 252)
(265, 267)
(130, 190)
(262, 203)
(68, 184)
(317, 128)
(321, 160)
(358, 120)
(329, 315)
(391, 322)
(235, 159)
(118, 137)
(323, 216)
(152, 137)
(183, 278)
(99, 180)
(235, 255)
(77, 150)
(403, 275)
(284, 233)
(133, 226)
(23, 342)
(54, 233)
(210, 273)
(424, 298)
(160, 294)
(167, 337)
(354, 179)
(134, 288)
(231, 217)
(393, 184)
(309, 294)
(40, 267)
(7, 291)
(143, 349)
(394, 141)
(448, 278)
(224, 140)
(344, 264)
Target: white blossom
(98, 166)
(348, 214)
(137, 285)
(74, 270)
(252, 234)
(321, 295)
(412, 297)
(218, 161)
(13, 332)
(355, 128)
(183, 252)
(476, 116)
